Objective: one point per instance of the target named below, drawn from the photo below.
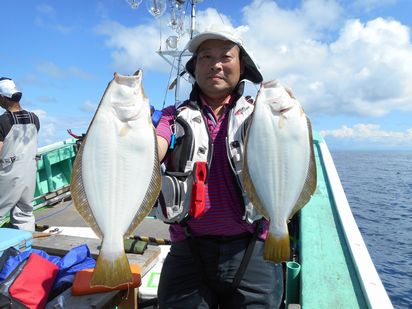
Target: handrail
(373, 289)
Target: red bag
(33, 284)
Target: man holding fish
(218, 256)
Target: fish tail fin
(277, 249)
(111, 270)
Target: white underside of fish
(116, 172)
(119, 175)
(279, 162)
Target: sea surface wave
(378, 186)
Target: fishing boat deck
(64, 214)
(60, 244)
(70, 231)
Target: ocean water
(378, 186)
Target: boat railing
(372, 287)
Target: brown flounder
(116, 174)
(279, 171)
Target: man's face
(218, 68)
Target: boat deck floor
(64, 214)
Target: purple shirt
(224, 206)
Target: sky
(349, 63)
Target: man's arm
(162, 146)
(1, 145)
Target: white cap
(221, 32)
(8, 87)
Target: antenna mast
(176, 9)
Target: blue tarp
(76, 259)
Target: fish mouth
(286, 109)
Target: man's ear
(194, 67)
(242, 67)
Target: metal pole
(193, 18)
(179, 59)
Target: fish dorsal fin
(248, 183)
(310, 184)
(79, 194)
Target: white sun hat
(8, 87)
(226, 33)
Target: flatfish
(279, 171)
(116, 174)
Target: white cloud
(208, 17)
(54, 128)
(334, 66)
(63, 29)
(102, 10)
(74, 71)
(47, 127)
(49, 68)
(41, 113)
(88, 106)
(46, 10)
(47, 18)
(272, 24)
(133, 48)
(46, 99)
(371, 133)
(370, 5)
(363, 71)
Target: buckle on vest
(9, 160)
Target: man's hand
(289, 91)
